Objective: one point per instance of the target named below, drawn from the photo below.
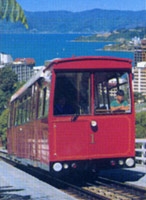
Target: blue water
(43, 47)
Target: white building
(5, 58)
(23, 67)
(139, 82)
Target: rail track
(99, 189)
(105, 189)
(116, 190)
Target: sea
(42, 47)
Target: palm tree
(12, 11)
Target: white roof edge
(28, 83)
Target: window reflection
(106, 86)
(72, 93)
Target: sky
(81, 5)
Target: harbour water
(43, 47)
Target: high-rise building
(23, 67)
(140, 52)
(5, 59)
(137, 56)
(139, 82)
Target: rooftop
(28, 61)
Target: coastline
(43, 47)
(118, 50)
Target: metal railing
(140, 151)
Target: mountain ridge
(89, 21)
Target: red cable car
(61, 120)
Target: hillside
(119, 35)
(90, 21)
(121, 39)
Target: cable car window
(108, 85)
(23, 112)
(11, 119)
(44, 96)
(72, 93)
(40, 106)
(46, 99)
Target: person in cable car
(62, 107)
(119, 104)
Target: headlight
(93, 123)
(129, 162)
(57, 167)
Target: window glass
(40, 110)
(46, 100)
(44, 95)
(11, 119)
(107, 84)
(19, 110)
(34, 101)
(23, 112)
(29, 112)
(17, 116)
(72, 93)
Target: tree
(139, 97)
(8, 85)
(12, 11)
(8, 80)
(141, 125)
(3, 126)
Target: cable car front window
(72, 93)
(106, 86)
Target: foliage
(12, 11)
(8, 85)
(140, 116)
(141, 125)
(3, 125)
(8, 81)
(139, 97)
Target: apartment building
(140, 52)
(23, 67)
(5, 59)
(139, 82)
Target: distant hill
(118, 35)
(90, 21)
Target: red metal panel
(92, 63)
(77, 141)
(37, 141)
(114, 137)
(69, 140)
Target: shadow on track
(122, 175)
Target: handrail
(140, 151)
